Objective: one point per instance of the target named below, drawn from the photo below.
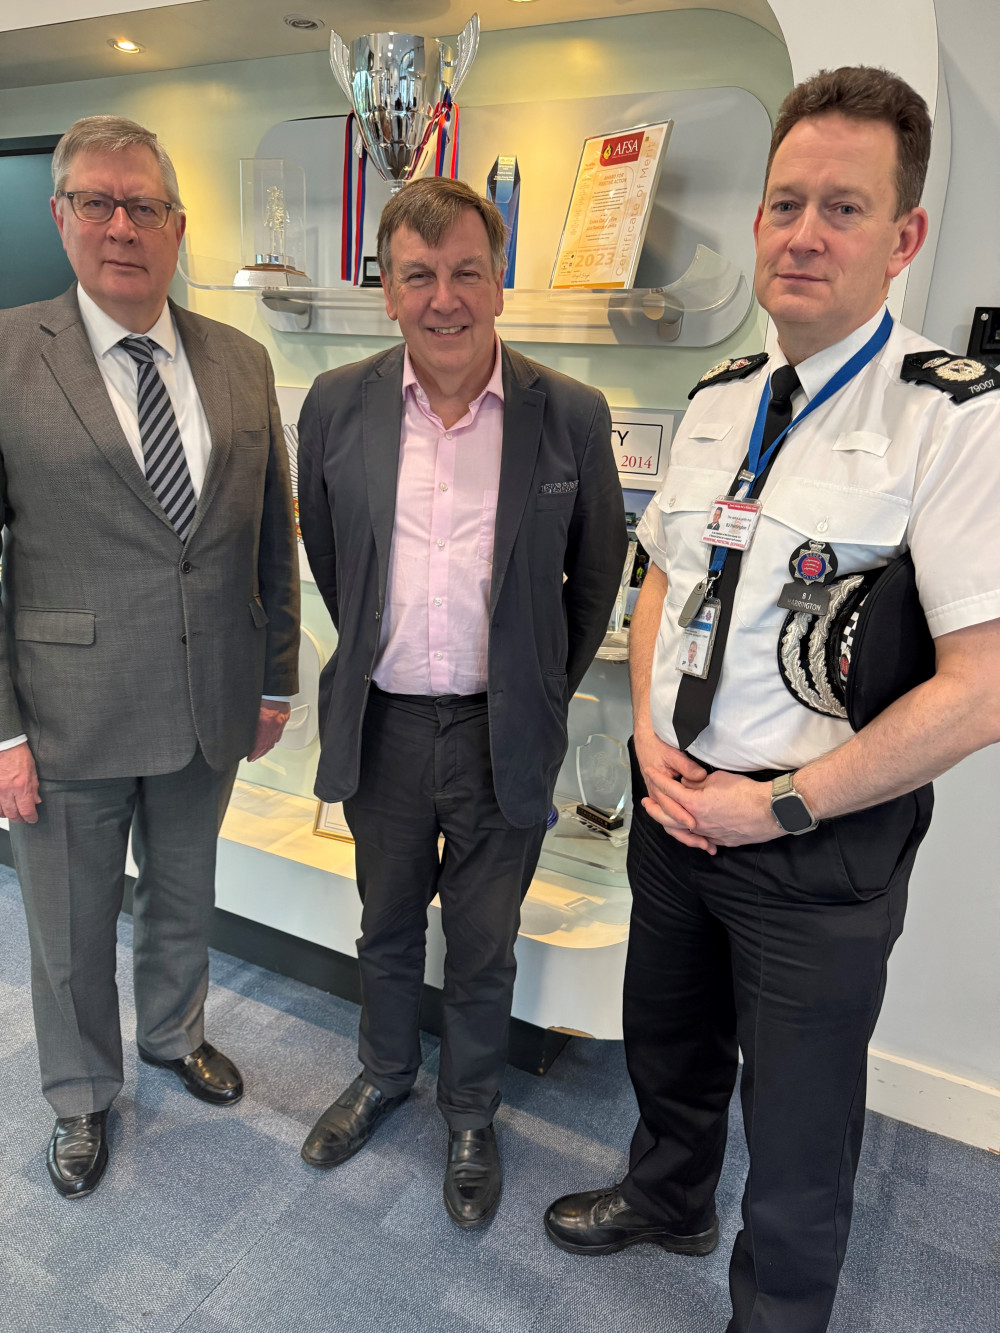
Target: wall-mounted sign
(610, 207)
(641, 439)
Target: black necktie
(166, 464)
(693, 707)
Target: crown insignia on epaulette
(732, 368)
(958, 376)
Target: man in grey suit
(150, 627)
(462, 515)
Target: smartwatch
(789, 809)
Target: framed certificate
(330, 821)
(610, 207)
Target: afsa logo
(622, 148)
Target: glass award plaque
(603, 776)
(272, 223)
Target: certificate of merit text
(610, 208)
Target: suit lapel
(523, 409)
(71, 359)
(211, 377)
(381, 425)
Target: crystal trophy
(503, 185)
(603, 777)
(272, 219)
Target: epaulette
(958, 376)
(729, 369)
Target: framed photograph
(641, 441)
(330, 821)
(609, 208)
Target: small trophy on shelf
(273, 199)
(603, 776)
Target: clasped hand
(700, 809)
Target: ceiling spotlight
(303, 24)
(124, 45)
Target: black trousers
(778, 949)
(426, 772)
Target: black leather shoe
(473, 1179)
(347, 1125)
(78, 1153)
(206, 1073)
(601, 1222)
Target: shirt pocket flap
(866, 441)
(691, 488)
(54, 626)
(838, 513)
(710, 430)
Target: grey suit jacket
(559, 512)
(121, 648)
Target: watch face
(792, 813)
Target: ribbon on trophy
(397, 112)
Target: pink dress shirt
(435, 627)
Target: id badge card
(698, 639)
(731, 523)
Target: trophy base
(271, 275)
(599, 819)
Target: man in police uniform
(742, 936)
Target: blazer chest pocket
(252, 437)
(37, 626)
(558, 500)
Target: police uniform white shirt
(883, 466)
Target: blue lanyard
(756, 463)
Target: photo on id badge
(697, 640)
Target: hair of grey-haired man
(111, 134)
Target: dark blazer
(543, 630)
(121, 648)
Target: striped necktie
(166, 465)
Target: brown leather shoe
(206, 1073)
(78, 1153)
(347, 1125)
(473, 1179)
(601, 1222)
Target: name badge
(731, 523)
(698, 639)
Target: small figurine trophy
(273, 197)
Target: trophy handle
(468, 44)
(340, 63)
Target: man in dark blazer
(150, 602)
(462, 515)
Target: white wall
(942, 1007)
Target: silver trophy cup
(396, 82)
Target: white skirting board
(957, 1108)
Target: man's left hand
(270, 725)
(729, 810)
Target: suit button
(378, 615)
(367, 680)
(186, 566)
(184, 638)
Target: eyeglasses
(92, 207)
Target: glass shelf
(704, 306)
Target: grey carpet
(209, 1222)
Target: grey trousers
(71, 865)
(426, 772)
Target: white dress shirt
(883, 466)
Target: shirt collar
(494, 386)
(815, 370)
(104, 332)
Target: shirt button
(672, 501)
(440, 541)
(438, 656)
(447, 435)
(437, 601)
(442, 485)
(822, 525)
